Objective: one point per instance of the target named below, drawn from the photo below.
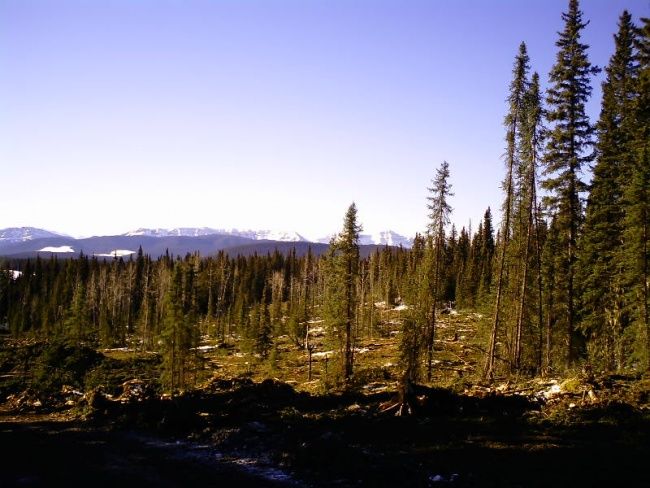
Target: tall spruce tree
(513, 120)
(342, 279)
(601, 260)
(486, 247)
(439, 212)
(636, 200)
(529, 254)
(569, 147)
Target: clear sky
(117, 114)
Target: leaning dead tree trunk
(531, 221)
(488, 371)
(540, 288)
(516, 356)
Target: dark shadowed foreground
(267, 434)
(47, 453)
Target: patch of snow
(116, 253)
(15, 274)
(324, 354)
(57, 249)
(552, 391)
(399, 308)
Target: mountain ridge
(16, 235)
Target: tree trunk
(488, 371)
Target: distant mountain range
(383, 238)
(257, 235)
(29, 241)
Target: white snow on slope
(22, 234)
(272, 235)
(179, 231)
(56, 249)
(116, 253)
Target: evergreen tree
(636, 200)
(264, 335)
(529, 258)
(343, 273)
(178, 334)
(551, 278)
(513, 120)
(569, 147)
(486, 249)
(417, 296)
(601, 261)
(439, 212)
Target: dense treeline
(144, 303)
(564, 280)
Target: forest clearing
(238, 424)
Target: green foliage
(410, 350)
(63, 363)
(569, 148)
(601, 261)
(439, 217)
(110, 374)
(341, 269)
(264, 338)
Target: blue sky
(118, 114)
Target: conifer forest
(516, 353)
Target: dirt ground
(66, 453)
(268, 434)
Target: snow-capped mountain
(386, 238)
(179, 231)
(257, 235)
(22, 234)
(30, 241)
(382, 238)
